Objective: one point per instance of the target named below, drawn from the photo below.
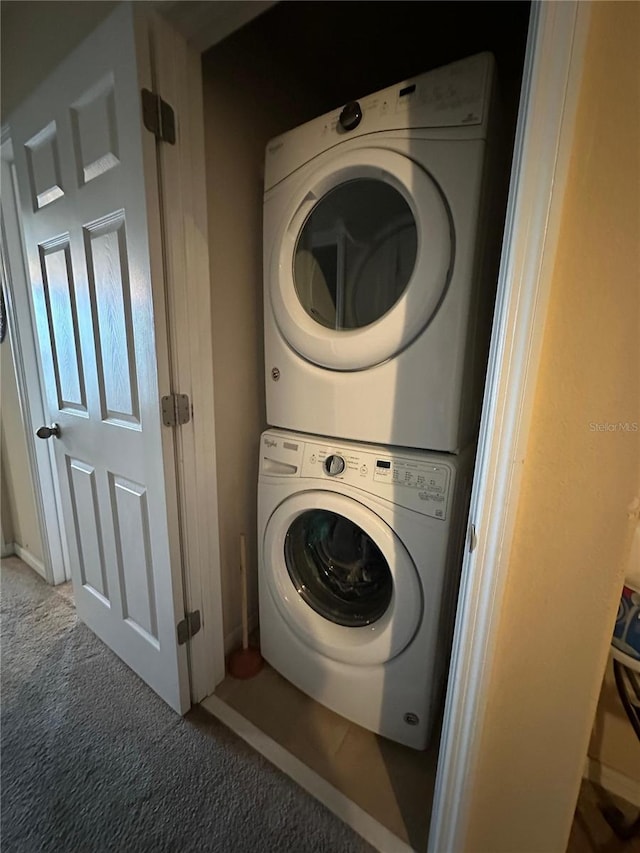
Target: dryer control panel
(420, 481)
(453, 97)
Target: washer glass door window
(337, 568)
(341, 578)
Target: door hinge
(188, 627)
(176, 409)
(158, 117)
(473, 538)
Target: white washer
(359, 556)
(380, 263)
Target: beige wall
(17, 488)
(573, 526)
(6, 518)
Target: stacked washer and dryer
(379, 276)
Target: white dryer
(359, 558)
(380, 255)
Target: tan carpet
(93, 761)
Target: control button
(334, 465)
(313, 458)
(351, 116)
(364, 469)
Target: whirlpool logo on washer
(286, 445)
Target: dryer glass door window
(355, 254)
(337, 568)
(361, 259)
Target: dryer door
(341, 578)
(362, 259)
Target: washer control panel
(422, 485)
(418, 480)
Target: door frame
(548, 104)
(177, 76)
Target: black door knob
(47, 432)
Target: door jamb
(544, 135)
(177, 77)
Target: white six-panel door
(81, 166)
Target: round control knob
(351, 116)
(334, 465)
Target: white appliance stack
(380, 258)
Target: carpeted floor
(93, 761)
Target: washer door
(341, 578)
(362, 259)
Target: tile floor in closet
(391, 782)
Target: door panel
(108, 277)
(62, 320)
(84, 501)
(95, 131)
(43, 166)
(81, 169)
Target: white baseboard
(613, 781)
(8, 549)
(233, 640)
(366, 826)
(28, 558)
